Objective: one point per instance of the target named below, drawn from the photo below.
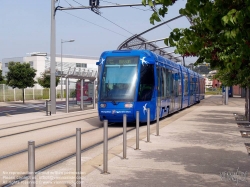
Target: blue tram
(134, 80)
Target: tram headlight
(103, 105)
(128, 105)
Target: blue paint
(134, 80)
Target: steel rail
(44, 121)
(47, 143)
(22, 178)
(44, 127)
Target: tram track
(44, 144)
(50, 163)
(22, 178)
(58, 122)
(25, 123)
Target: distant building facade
(42, 63)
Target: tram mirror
(98, 63)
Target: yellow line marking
(8, 115)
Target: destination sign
(122, 60)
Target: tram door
(191, 90)
(159, 85)
(173, 92)
(177, 91)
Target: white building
(42, 63)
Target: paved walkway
(199, 146)
(202, 147)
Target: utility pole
(53, 59)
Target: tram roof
(147, 53)
(150, 55)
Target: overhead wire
(68, 3)
(108, 20)
(161, 18)
(116, 24)
(105, 18)
(130, 7)
(78, 2)
(95, 24)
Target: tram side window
(164, 83)
(159, 77)
(176, 84)
(146, 85)
(191, 85)
(196, 84)
(169, 82)
(179, 83)
(186, 85)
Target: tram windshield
(119, 79)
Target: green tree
(2, 81)
(20, 75)
(219, 35)
(44, 80)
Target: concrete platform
(199, 146)
(202, 148)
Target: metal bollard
(31, 163)
(157, 122)
(137, 130)
(105, 148)
(78, 157)
(67, 95)
(226, 95)
(148, 124)
(124, 136)
(48, 108)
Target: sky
(25, 27)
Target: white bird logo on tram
(143, 61)
(145, 108)
(102, 62)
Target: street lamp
(63, 41)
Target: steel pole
(31, 163)
(14, 94)
(78, 157)
(81, 87)
(248, 103)
(33, 93)
(148, 124)
(157, 122)
(67, 95)
(105, 147)
(61, 72)
(124, 136)
(3, 93)
(137, 130)
(226, 95)
(53, 58)
(94, 95)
